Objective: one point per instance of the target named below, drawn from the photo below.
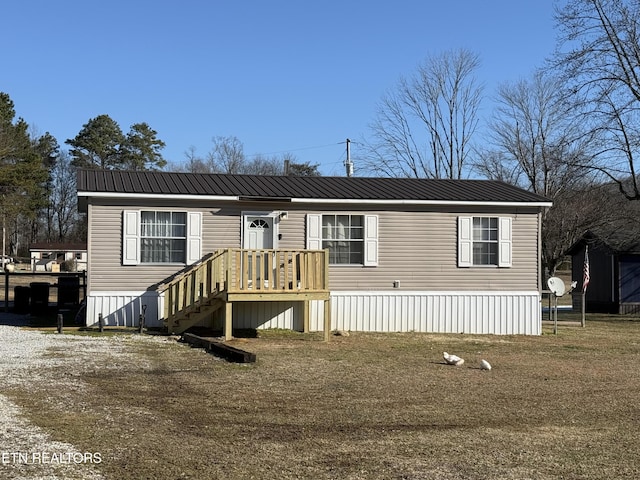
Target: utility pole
(348, 164)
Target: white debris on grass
(451, 359)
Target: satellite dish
(556, 285)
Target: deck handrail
(235, 270)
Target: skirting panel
(498, 313)
(123, 309)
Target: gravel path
(29, 357)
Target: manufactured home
(312, 253)
(49, 257)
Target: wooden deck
(237, 275)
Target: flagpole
(586, 277)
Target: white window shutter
(314, 232)
(194, 237)
(370, 240)
(131, 237)
(465, 241)
(504, 241)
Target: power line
(297, 149)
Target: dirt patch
(361, 406)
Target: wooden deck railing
(240, 271)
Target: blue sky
(281, 75)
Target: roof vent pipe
(348, 164)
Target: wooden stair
(231, 275)
(194, 314)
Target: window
(350, 239)
(484, 241)
(161, 237)
(259, 224)
(343, 235)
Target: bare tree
(227, 156)
(63, 199)
(601, 71)
(539, 146)
(599, 209)
(424, 128)
(538, 143)
(193, 163)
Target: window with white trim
(156, 236)
(343, 236)
(350, 239)
(163, 237)
(484, 241)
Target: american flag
(586, 275)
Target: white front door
(258, 235)
(258, 232)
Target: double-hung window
(343, 236)
(350, 239)
(163, 237)
(484, 241)
(157, 236)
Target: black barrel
(39, 297)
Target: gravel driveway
(31, 359)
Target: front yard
(363, 406)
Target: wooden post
(305, 316)
(555, 314)
(228, 321)
(327, 319)
(100, 323)
(142, 317)
(6, 292)
(60, 322)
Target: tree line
(569, 132)
(38, 178)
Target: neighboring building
(403, 254)
(50, 257)
(614, 267)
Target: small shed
(50, 256)
(614, 268)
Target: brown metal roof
(290, 187)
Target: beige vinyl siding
(220, 229)
(417, 248)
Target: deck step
(192, 316)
